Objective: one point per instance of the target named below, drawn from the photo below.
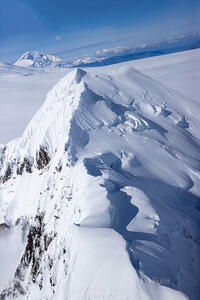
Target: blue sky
(74, 27)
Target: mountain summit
(102, 189)
(37, 59)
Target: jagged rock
(42, 158)
(58, 168)
(8, 174)
(4, 226)
(26, 164)
(37, 244)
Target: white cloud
(109, 52)
(58, 37)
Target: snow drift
(103, 186)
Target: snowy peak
(37, 59)
(82, 101)
(50, 127)
(79, 73)
(98, 180)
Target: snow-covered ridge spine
(47, 132)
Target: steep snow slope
(22, 93)
(179, 71)
(37, 59)
(104, 184)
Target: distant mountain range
(113, 55)
(121, 54)
(37, 59)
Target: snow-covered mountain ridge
(109, 56)
(104, 184)
(37, 59)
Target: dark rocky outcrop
(7, 174)
(37, 244)
(42, 158)
(4, 226)
(25, 165)
(58, 168)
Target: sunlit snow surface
(114, 213)
(23, 94)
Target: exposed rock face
(8, 173)
(36, 245)
(24, 166)
(4, 226)
(42, 158)
(16, 167)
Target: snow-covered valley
(99, 198)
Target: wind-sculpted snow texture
(103, 188)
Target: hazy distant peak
(38, 59)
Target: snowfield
(22, 93)
(101, 192)
(23, 90)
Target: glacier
(101, 192)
